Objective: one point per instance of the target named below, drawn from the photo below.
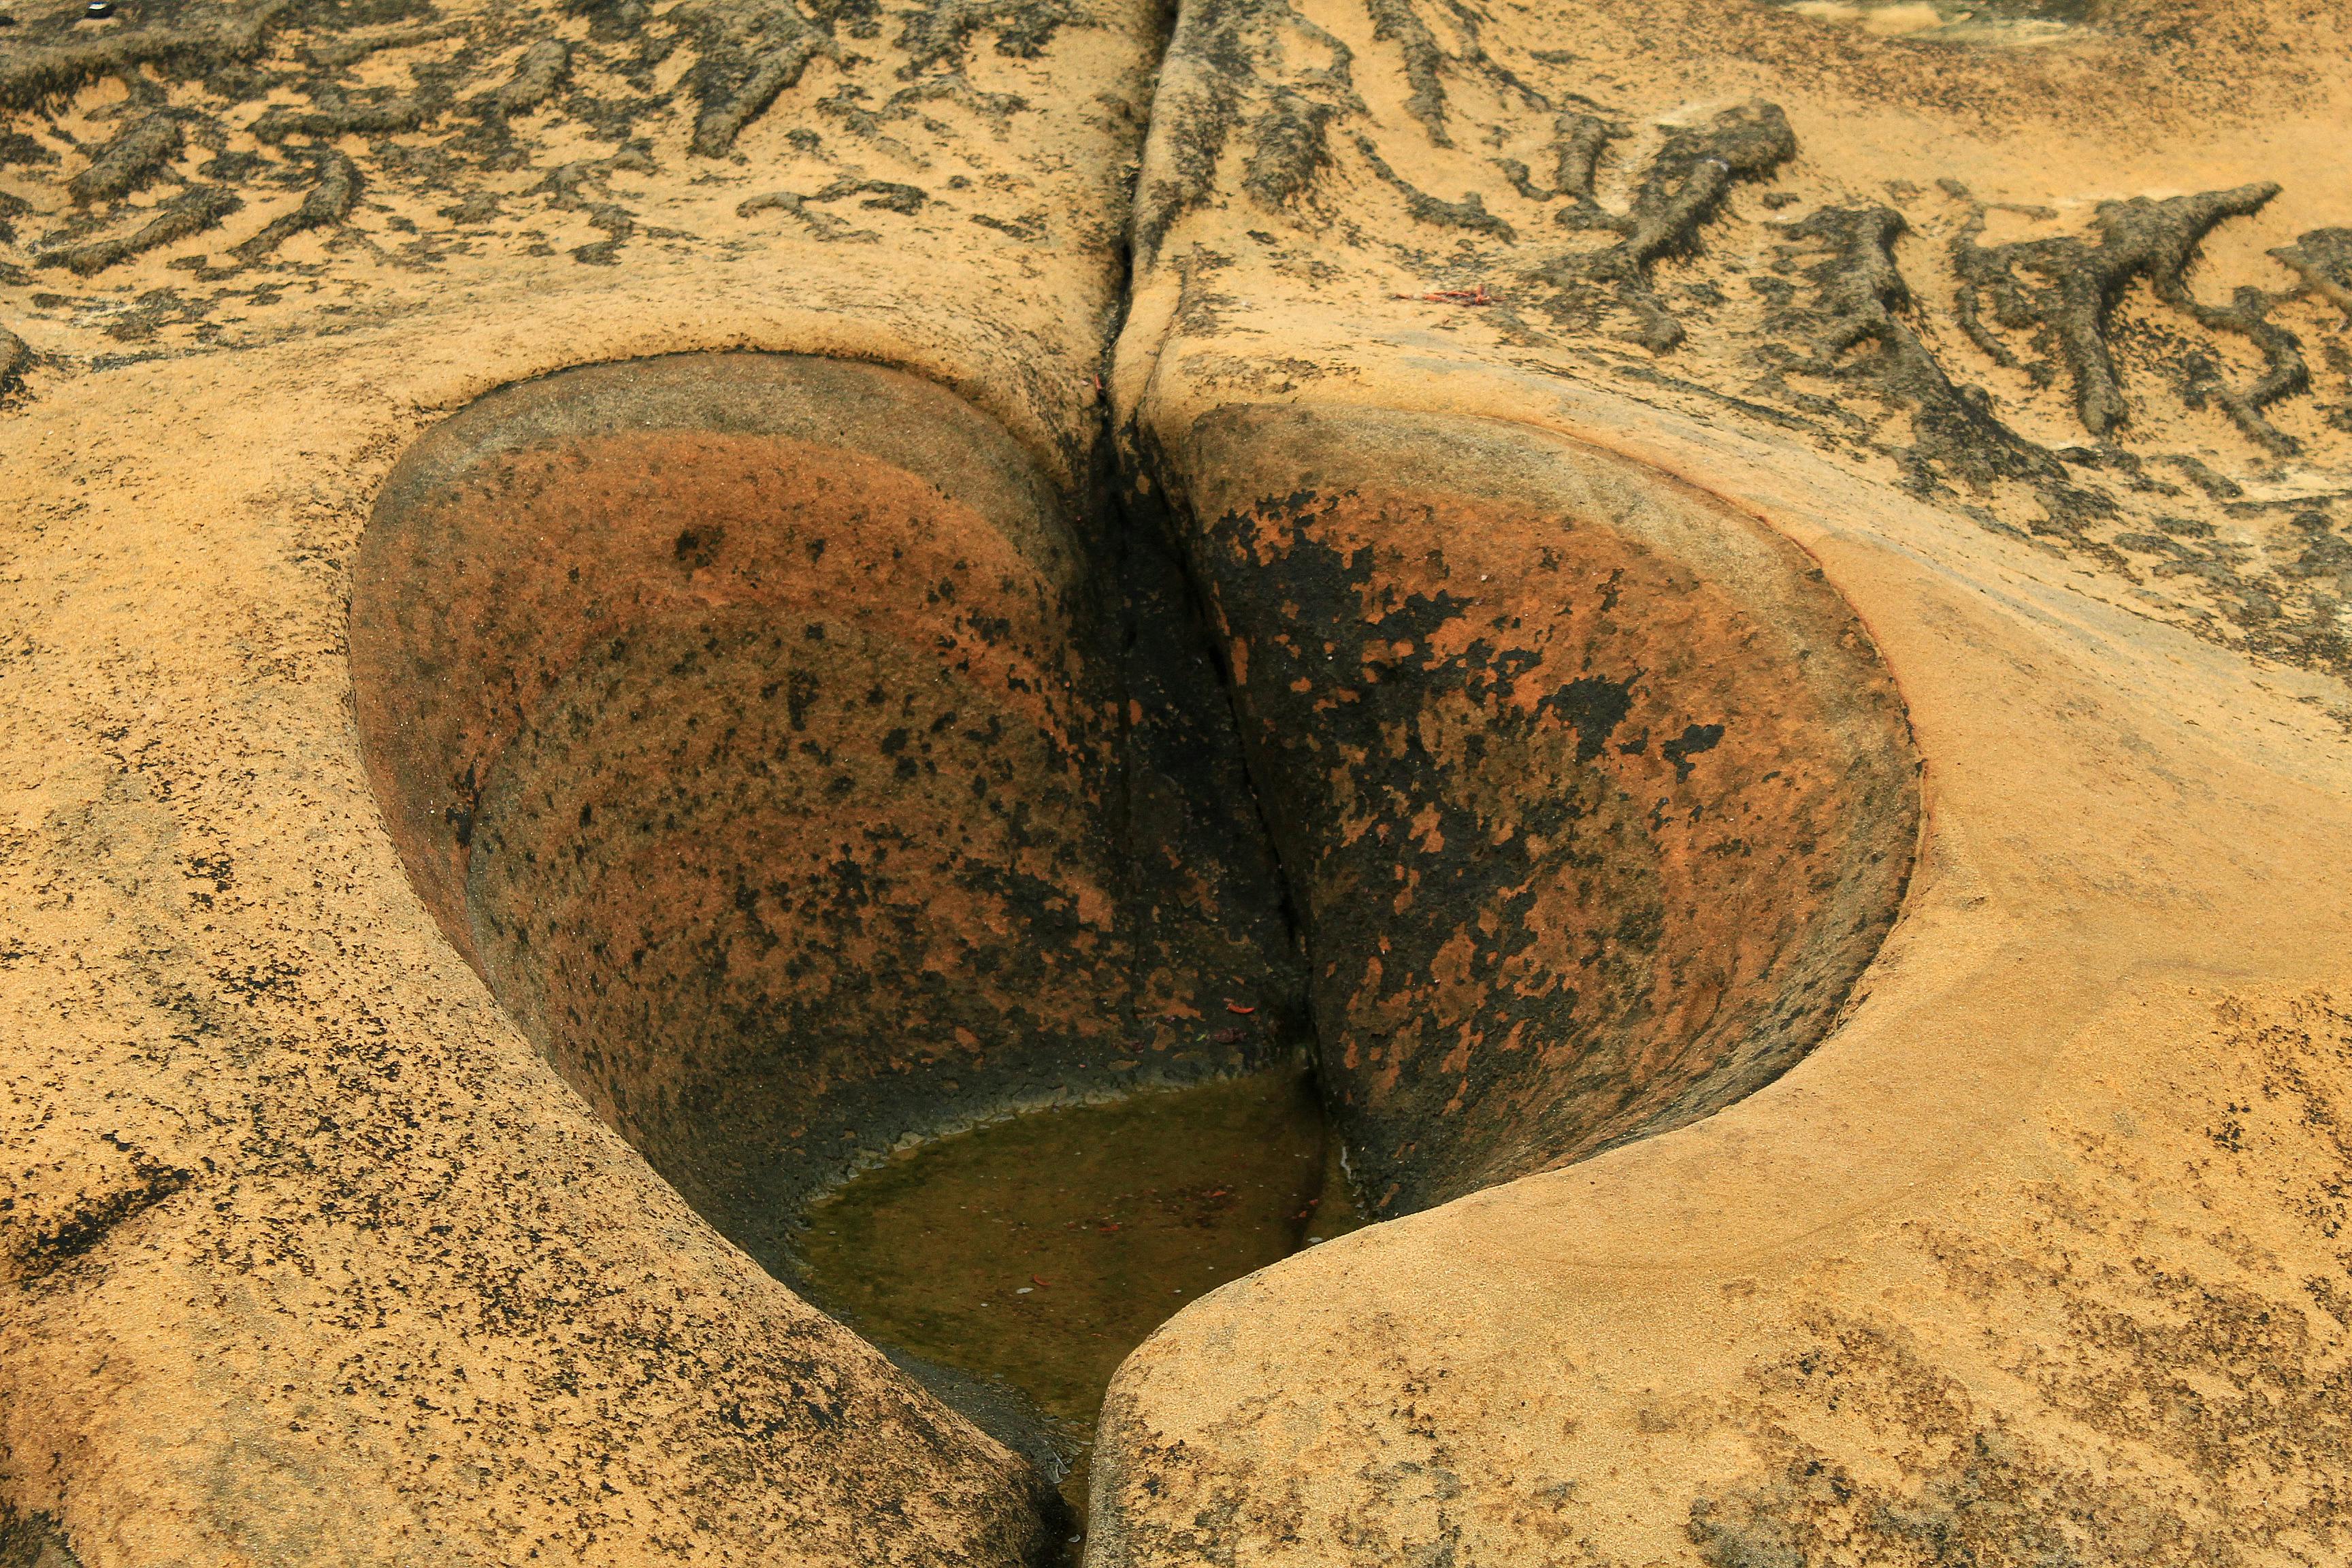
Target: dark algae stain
(1535, 925)
(33, 1540)
(1695, 739)
(1011, 1268)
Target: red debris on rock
(1477, 296)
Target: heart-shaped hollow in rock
(805, 782)
(781, 755)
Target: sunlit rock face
(807, 779)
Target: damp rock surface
(807, 780)
(1032, 1255)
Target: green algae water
(1011, 1268)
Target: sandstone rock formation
(613, 608)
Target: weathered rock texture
(1743, 606)
(311, 1254)
(756, 724)
(1594, 805)
(2039, 354)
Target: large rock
(1743, 606)
(1492, 328)
(311, 1254)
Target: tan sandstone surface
(1783, 578)
(2038, 1257)
(313, 1259)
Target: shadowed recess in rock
(761, 728)
(1011, 1268)
(811, 789)
(1595, 800)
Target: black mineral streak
(1679, 194)
(134, 158)
(15, 355)
(939, 34)
(1578, 140)
(881, 195)
(745, 57)
(1858, 296)
(332, 119)
(1224, 58)
(1291, 147)
(33, 1540)
(1395, 21)
(18, 149)
(1469, 213)
(327, 205)
(824, 226)
(33, 76)
(194, 211)
(2323, 259)
(2064, 289)
(542, 70)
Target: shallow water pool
(1011, 1268)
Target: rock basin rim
(808, 777)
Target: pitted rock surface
(1594, 812)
